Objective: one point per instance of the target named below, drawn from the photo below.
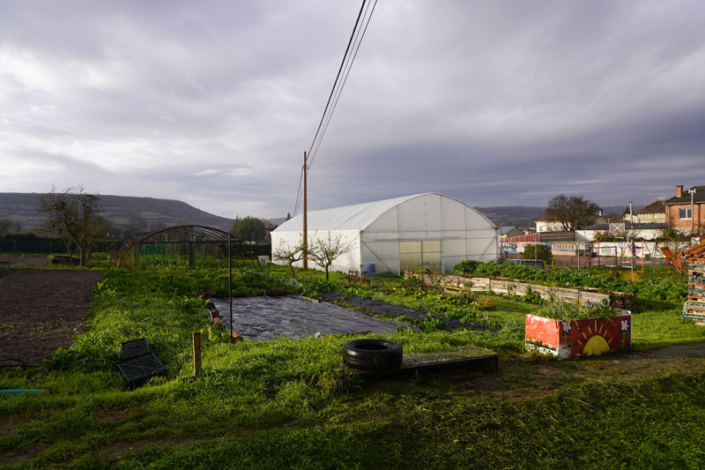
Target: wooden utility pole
(305, 217)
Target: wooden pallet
(694, 307)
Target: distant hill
(517, 216)
(119, 210)
(122, 211)
(526, 216)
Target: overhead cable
(336, 89)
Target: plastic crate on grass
(135, 348)
(139, 364)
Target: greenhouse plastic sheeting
(266, 318)
(420, 231)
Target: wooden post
(305, 217)
(191, 257)
(136, 250)
(196, 353)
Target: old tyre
(372, 354)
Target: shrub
(466, 267)
(542, 252)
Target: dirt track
(30, 261)
(41, 310)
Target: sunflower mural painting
(568, 339)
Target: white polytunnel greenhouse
(421, 231)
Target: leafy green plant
(532, 297)
(566, 311)
(485, 302)
(655, 288)
(467, 267)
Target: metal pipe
(230, 282)
(692, 209)
(631, 214)
(305, 240)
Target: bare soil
(41, 310)
(29, 261)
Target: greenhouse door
(420, 255)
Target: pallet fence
(457, 284)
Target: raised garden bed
(567, 339)
(456, 284)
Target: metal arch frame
(182, 234)
(193, 234)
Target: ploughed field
(41, 310)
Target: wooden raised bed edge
(457, 284)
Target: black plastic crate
(138, 370)
(135, 348)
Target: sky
(491, 102)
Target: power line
(335, 90)
(337, 77)
(298, 191)
(340, 89)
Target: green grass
(290, 404)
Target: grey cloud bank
(214, 102)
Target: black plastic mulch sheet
(379, 307)
(266, 318)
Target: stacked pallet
(694, 307)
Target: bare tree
(73, 216)
(5, 226)
(323, 251)
(289, 253)
(572, 212)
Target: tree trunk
(291, 268)
(69, 251)
(326, 272)
(81, 255)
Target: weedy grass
(290, 404)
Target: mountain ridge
(123, 210)
(119, 210)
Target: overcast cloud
(492, 102)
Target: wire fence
(32, 245)
(22, 244)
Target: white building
(548, 224)
(654, 213)
(629, 232)
(422, 231)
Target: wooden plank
(488, 363)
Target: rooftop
(685, 198)
(656, 207)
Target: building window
(685, 213)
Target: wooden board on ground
(436, 362)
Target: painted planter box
(576, 338)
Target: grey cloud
(486, 101)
